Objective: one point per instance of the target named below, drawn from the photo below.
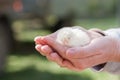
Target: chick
(73, 36)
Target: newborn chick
(73, 36)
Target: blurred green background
(22, 20)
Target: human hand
(44, 49)
(100, 50)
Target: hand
(100, 50)
(50, 53)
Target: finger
(77, 52)
(70, 66)
(95, 29)
(56, 58)
(39, 40)
(92, 61)
(94, 48)
(58, 47)
(97, 45)
(63, 63)
(46, 50)
(38, 48)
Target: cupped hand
(100, 50)
(47, 46)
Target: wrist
(100, 33)
(115, 35)
(116, 55)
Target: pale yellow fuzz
(72, 37)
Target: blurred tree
(6, 40)
(102, 8)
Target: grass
(35, 67)
(98, 23)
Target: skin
(100, 50)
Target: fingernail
(36, 38)
(38, 47)
(44, 48)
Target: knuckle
(50, 59)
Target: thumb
(77, 52)
(94, 48)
